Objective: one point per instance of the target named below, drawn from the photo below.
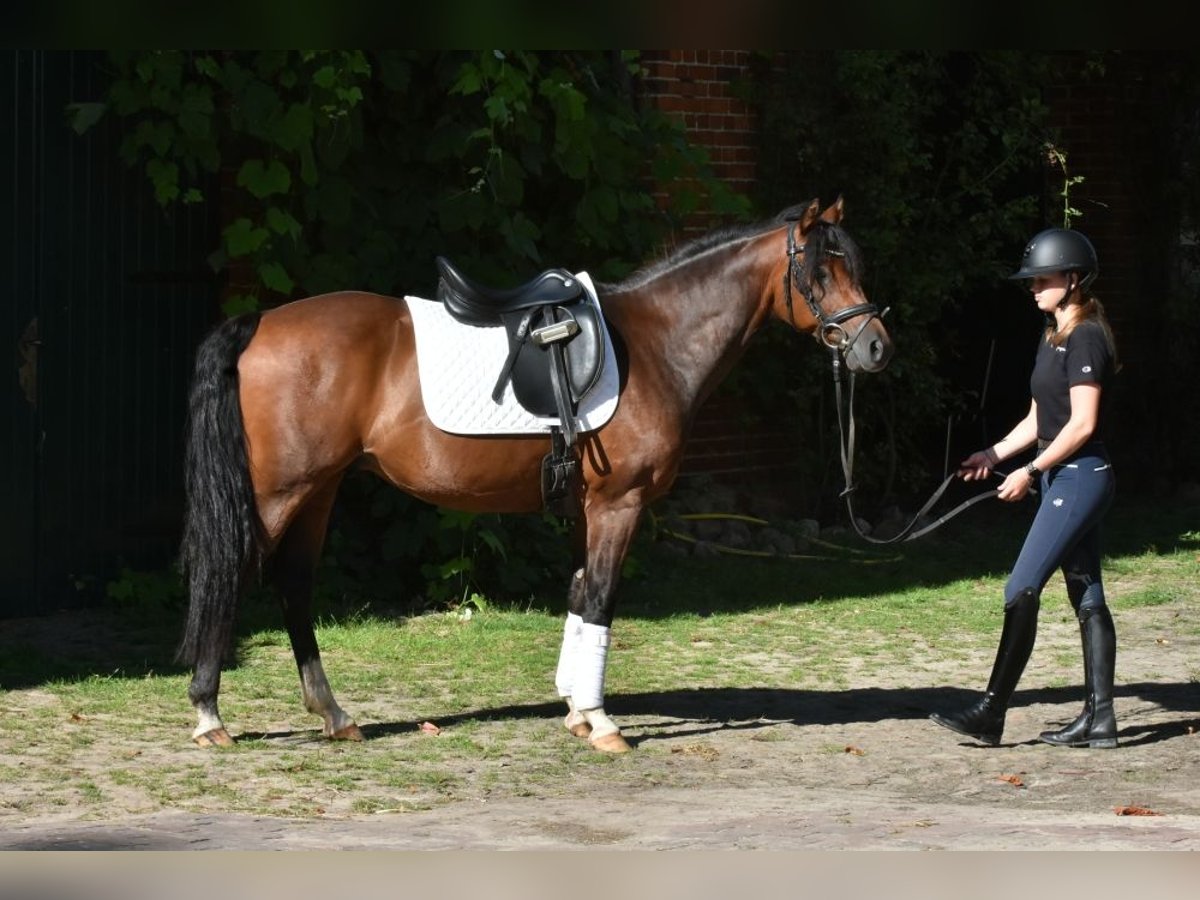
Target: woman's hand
(1015, 486)
(977, 466)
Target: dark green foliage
(939, 158)
(1163, 414)
(354, 169)
(387, 546)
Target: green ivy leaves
(507, 160)
(262, 179)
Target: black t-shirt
(1085, 357)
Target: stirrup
(560, 475)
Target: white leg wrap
(587, 686)
(566, 656)
(575, 720)
(209, 721)
(600, 722)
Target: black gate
(107, 298)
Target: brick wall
(697, 87)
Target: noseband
(830, 331)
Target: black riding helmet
(1059, 250)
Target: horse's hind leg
(293, 570)
(206, 681)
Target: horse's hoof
(577, 724)
(611, 743)
(217, 737)
(349, 733)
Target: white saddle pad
(459, 364)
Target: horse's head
(823, 269)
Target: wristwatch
(1033, 472)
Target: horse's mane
(823, 237)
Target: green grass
(100, 721)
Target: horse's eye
(822, 276)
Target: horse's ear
(810, 216)
(833, 215)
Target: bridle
(833, 335)
(829, 331)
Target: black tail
(222, 533)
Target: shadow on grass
(985, 541)
(76, 644)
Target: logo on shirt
(1061, 349)
(1086, 369)
(1058, 501)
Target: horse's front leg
(293, 569)
(591, 601)
(564, 676)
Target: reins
(832, 333)
(845, 413)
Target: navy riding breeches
(1065, 533)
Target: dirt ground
(860, 767)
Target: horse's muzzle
(871, 351)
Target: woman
(1074, 478)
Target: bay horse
(284, 402)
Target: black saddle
(474, 304)
(551, 311)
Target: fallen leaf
(1134, 811)
(1161, 641)
(855, 751)
(704, 751)
(1014, 780)
(76, 717)
(430, 728)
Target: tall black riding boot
(1096, 726)
(984, 720)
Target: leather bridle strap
(846, 448)
(827, 323)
